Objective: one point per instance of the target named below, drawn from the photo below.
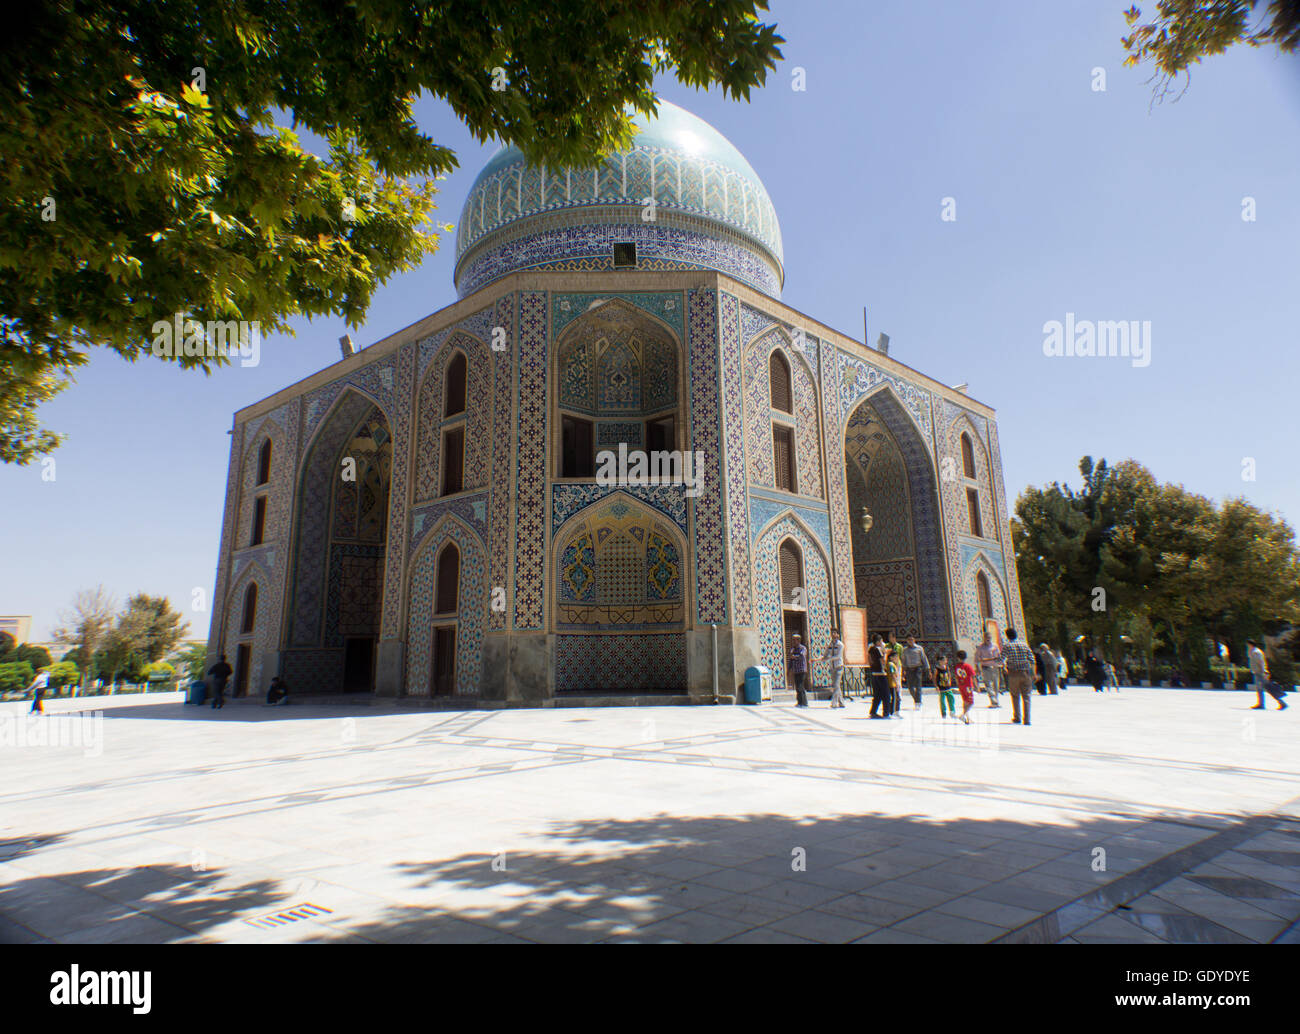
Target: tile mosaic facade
(884, 407)
(530, 467)
(476, 420)
(644, 663)
(502, 512)
(733, 413)
(568, 499)
(470, 618)
(769, 603)
(663, 305)
(316, 489)
(706, 437)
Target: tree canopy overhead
(146, 174)
(1182, 32)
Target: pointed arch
(434, 419)
(908, 588)
(981, 566)
(469, 618)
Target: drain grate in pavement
(284, 916)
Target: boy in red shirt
(965, 685)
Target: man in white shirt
(38, 687)
(835, 654)
(988, 658)
(1259, 669)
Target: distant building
(19, 626)
(427, 516)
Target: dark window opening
(986, 598)
(578, 459)
(624, 254)
(791, 575)
(446, 595)
(259, 521)
(250, 609)
(660, 434)
(973, 510)
(455, 394)
(967, 456)
(778, 373)
(783, 451)
(264, 463)
(453, 461)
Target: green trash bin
(758, 684)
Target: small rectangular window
(660, 435)
(973, 510)
(453, 461)
(783, 450)
(259, 521)
(577, 459)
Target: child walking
(965, 685)
(943, 683)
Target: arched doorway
(898, 568)
(342, 527)
(620, 601)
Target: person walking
(876, 663)
(38, 687)
(799, 669)
(989, 659)
(220, 672)
(1263, 681)
(835, 656)
(1095, 671)
(1048, 660)
(1019, 661)
(943, 683)
(916, 668)
(1062, 671)
(1112, 678)
(965, 685)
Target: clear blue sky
(1068, 200)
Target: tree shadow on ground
(147, 903)
(846, 878)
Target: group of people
(219, 675)
(1012, 667)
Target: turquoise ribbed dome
(710, 210)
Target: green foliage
(7, 643)
(158, 671)
(37, 656)
(149, 170)
(1173, 569)
(15, 676)
(1185, 31)
(64, 673)
(194, 660)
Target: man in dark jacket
(799, 669)
(220, 672)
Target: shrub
(65, 673)
(15, 676)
